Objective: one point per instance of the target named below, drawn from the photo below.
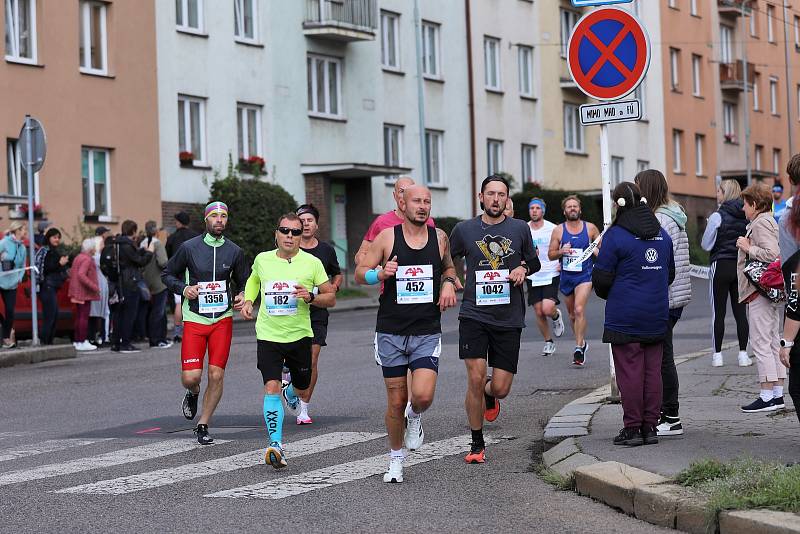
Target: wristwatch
(313, 296)
(450, 279)
(786, 343)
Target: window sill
(734, 143)
(705, 177)
(433, 79)
(100, 219)
(192, 32)
(758, 111)
(676, 91)
(575, 153)
(492, 90)
(391, 70)
(24, 62)
(20, 215)
(97, 74)
(699, 97)
(529, 98)
(435, 187)
(245, 42)
(201, 166)
(331, 118)
(678, 173)
(776, 115)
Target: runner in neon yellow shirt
(285, 279)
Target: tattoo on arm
(444, 246)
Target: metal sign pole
(605, 174)
(29, 163)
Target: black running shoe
(579, 356)
(630, 437)
(649, 435)
(189, 405)
(201, 431)
(129, 349)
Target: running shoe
(477, 454)
(744, 359)
(778, 402)
(415, 434)
(394, 474)
(579, 356)
(163, 345)
(492, 405)
(716, 360)
(128, 349)
(292, 403)
(201, 432)
(558, 324)
(669, 426)
(189, 406)
(649, 435)
(630, 437)
(304, 419)
(760, 405)
(549, 348)
(275, 455)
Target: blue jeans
(49, 297)
(157, 319)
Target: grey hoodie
(673, 219)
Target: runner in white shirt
(543, 285)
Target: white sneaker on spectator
(744, 359)
(84, 346)
(716, 360)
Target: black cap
(182, 217)
(100, 230)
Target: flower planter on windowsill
(187, 163)
(22, 214)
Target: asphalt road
(99, 444)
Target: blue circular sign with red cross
(608, 53)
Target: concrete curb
(29, 355)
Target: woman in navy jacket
(632, 273)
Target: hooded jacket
(733, 225)
(633, 272)
(672, 218)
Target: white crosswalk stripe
(173, 475)
(150, 451)
(343, 473)
(44, 447)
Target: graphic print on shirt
(494, 249)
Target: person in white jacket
(672, 218)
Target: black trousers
(669, 373)
(794, 378)
(49, 298)
(724, 285)
(10, 302)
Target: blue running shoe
(275, 455)
(292, 401)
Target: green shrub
(697, 256)
(591, 206)
(447, 223)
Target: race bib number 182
(492, 288)
(279, 297)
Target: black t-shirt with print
(325, 253)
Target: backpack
(38, 261)
(109, 262)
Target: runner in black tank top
(419, 283)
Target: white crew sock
(766, 395)
(411, 413)
(396, 453)
(303, 407)
(777, 391)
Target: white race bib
(570, 263)
(212, 297)
(414, 284)
(539, 279)
(492, 288)
(279, 297)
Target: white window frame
(798, 101)
(773, 95)
(86, 37)
(11, 8)
(183, 25)
(696, 74)
(494, 156)
(243, 122)
(642, 165)
(796, 31)
(699, 141)
(567, 21)
(753, 23)
(640, 94)
(573, 130)
(238, 22)
(90, 210)
(617, 170)
(725, 44)
(17, 176)
(493, 74)
(677, 142)
(674, 67)
(431, 38)
(528, 163)
(434, 139)
(673, 4)
(776, 161)
(315, 109)
(693, 8)
(392, 133)
(756, 93)
(770, 23)
(199, 159)
(759, 157)
(729, 116)
(390, 19)
(525, 65)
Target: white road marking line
(124, 456)
(43, 447)
(4, 435)
(181, 473)
(343, 473)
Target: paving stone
(571, 419)
(613, 483)
(565, 449)
(557, 424)
(658, 504)
(750, 521)
(566, 467)
(554, 435)
(578, 409)
(693, 518)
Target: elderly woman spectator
(83, 289)
(760, 243)
(99, 312)
(633, 272)
(12, 257)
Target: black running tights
(724, 284)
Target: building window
(390, 40)
(94, 46)
(573, 129)
(770, 23)
(673, 4)
(798, 102)
(699, 142)
(776, 161)
(494, 157)
(392, 147)
(756, 93)
(759, 157)
(21, 30)
(491, 57)
(642, 165)
(696, 65)
(430, 50)
(568, 21)
(528, 163)
(796, 31)
(189, 15)
(248, 122)
(693, 8)
(324, 86)
(17, 173)
(192, 128)
(95, 176)
(725, 44)
(677, 150)
(753, 23)
(525, 60)
(434, 152)
(640, 94)
(617, 170)
(729, 122)
(674, 67)
(773, 96)
(245, 15)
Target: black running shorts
(539, 293)
(481, 340)
(319, 325)
(296, 355)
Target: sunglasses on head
(294, 231)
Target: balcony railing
(734, 7)
(731, 75)
(341, 20)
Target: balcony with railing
(733, 8)
(341, 20)
(731, 76)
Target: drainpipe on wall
(423, 154)
(472, 163)
(745, 33)
(788, 84)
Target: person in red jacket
(83, 289)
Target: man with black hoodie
(131, 261)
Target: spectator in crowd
(103, 232)
(83, 289)
(12, 258)
(760, 243)
(156, 311)
(99, 311)
(131, 261)
(39, 239)
(633, 272)
(672, 218)
(182, 233)
(52, 266)
(724, 227)
(778, 204)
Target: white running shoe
(716, 360)
(304, 419)
(558, 324)
(744, 359)
(549, 348)
(415, 434)
(84, 346)
(395, 471)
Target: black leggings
(9, 300)
(794, 378)
(725, 283)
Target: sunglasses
(294, 231)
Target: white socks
(411, 413)
(397, 454)
(766, 395)
(777, 391)
(303, 407)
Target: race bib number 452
(492, 288)
(414, 284)
(279, 297)
(212, 297)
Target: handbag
(766, 277)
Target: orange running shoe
(492, 406)
(476, 455)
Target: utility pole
(423, 154)
(788, 81)
(746, 95)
